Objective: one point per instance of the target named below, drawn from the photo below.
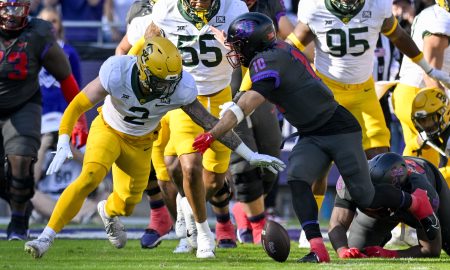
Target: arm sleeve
(76, 108)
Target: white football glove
(224, 107)
(63, 152)
(273, 164)
(441, 76)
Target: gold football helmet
(445, 4)
(159, 65)
(431, 111)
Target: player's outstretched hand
(377, 251)
(350, 253)
(63, 152)
(273, 164)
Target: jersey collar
(191, 16)
(345, 18)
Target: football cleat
(226, 235)
(113, 227)
(150, 239)
(38, 247)
(206, 246)
(245, 236)
(309, 258)
(183, 247)
(18, 228)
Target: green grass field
(67, 254)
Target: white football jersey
(203, 56)
(433, 20)
(344, 51)
(137, 28)
(125, 109)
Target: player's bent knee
(19, 190)
(249, 186)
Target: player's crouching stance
(137, 92)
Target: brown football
(275, 241)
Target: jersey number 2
(132, 119)
(339, 49)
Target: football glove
(347, 253)
(377, 251)
(80, 132)
(202, 142)
(63, 152)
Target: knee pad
(19, 190)
(249, 186)
(226, 189)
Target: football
(275, 241)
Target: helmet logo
(397, 173)
(244, 29)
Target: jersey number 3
(19, 60)
(337, 41)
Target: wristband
(423, 64)
(297, 43)
(237, 112)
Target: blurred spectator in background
(35, 7)
(138, 18)
(82, 11)
(115, 12)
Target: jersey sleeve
(187, 89)
(441, 24)
(305, 10)
(137, 28)
(279, 9)
(110, 73)
(386, 8)
(159, 12)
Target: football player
(26, 45)
(430, 32)
(136, 93)
(370, 229)
(187, 23)
(329, 132)
(345, 33)
(430, 114)
(261, 132)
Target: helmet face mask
(160, 68)
(388, 168)
(247, 35)
(347, 6)
(445, 4)
(431, 111)
(13, 14)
